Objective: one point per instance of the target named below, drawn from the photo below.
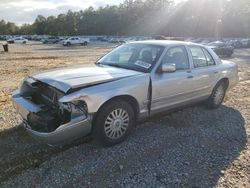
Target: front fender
(96, 96)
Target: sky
(25, 11)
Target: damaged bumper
(74, 129)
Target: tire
(217, 96)
(24, 42)
(113, 123)
(68, 43)
(85, 43)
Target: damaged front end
(45, 118)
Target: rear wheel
(113, 123)
(217, 96)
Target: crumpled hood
(82, 76)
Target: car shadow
(193, 146)
(211, 140)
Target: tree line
(203, 18)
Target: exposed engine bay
(52, 114)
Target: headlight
(76, 108)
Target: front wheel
(217, 96)
(113, 123)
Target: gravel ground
(194, 147)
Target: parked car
(132, 82)
(160, 37)
(51, 39)
(117, 40)
(19, 40)
(245, 43)
(76, 40)
(236, 43)
(222, 48)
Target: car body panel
(96, 96)
(163, 96)
(62, 134)
(66, 79)
(24, 106)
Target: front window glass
(138, 57)
(177, 56)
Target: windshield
(138, 57)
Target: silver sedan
(132, 82)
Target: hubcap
(116, 123)
(218, 95)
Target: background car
(76, 40)
(19, 40)
(245, 43)
(51, 39)
(222, 48)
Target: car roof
(165, 42)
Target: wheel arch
(127, 98)
(225, 80)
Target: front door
(174, 88)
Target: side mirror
(168, 68)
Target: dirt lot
(194, 147)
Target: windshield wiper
(118, 66)
(114, 65)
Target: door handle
(191, 76)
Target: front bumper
(72, 130)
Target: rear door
(204, 71)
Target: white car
(19, 40)
(76, 40)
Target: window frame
(205, 50)
(194, 46)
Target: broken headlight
(76, 109)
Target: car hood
(83, 76)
